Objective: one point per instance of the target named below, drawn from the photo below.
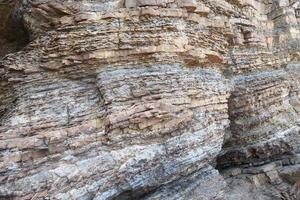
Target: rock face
(151, 99)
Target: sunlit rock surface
(150, 99)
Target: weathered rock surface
(151, 99)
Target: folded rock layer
(156, 99)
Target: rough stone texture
(151, 99)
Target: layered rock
(262, 145)
(144, 99)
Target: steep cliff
(150, 99)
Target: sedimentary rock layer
(168, 99)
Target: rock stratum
(150, 99)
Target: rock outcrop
(150, 99)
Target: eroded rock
(164, 99)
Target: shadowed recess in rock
(13, 36)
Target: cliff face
(151, 99)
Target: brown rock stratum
(150, 99)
